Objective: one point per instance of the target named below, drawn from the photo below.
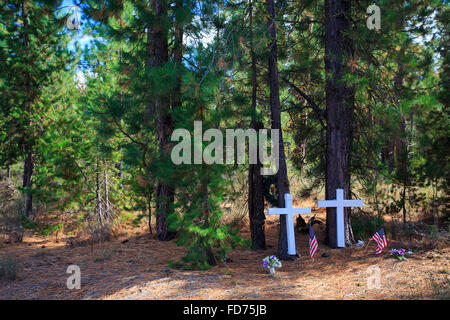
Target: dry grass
(138, 269)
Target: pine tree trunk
(118, 167)
(27, 180)
(205, 216)
(28, 162)
(149, 207)
(403, 162)
(387, 151)
(107, 212)
(97, 193)
(159, 55)
(178, 56)
(339, 111)
(282, 178)
(255, 180)
(256, 207)
(401, 141)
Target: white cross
(289, 212)
(339, 204)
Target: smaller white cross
(339, 204)
(289, 212)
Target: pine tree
(33, 47)
(339, 110)
(255, 179)
(282, 178)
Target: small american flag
(380, 238)
(312, 243)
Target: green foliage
(364, 225)
(46, 230)
(33, 49)
(137, 221)
(434, 234)
(52, 229)
(9, 267)
(27, 223)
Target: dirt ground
(138, 269)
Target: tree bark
(339, 112)
(208, 250)
(255, 180)
(27, 179)
(159, 55)
(99, 207)
(401, 141)
(107, 211)
(149, 207)
(282, 178)
(28, 164)
(178, 56)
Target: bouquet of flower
(400, 254)
(271, 262)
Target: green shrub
(8, 268)
(137, 221)
(433, 231)
(27, 223)
(365, 225)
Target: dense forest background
(86, 115)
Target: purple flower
(399, 253)
(271, 262)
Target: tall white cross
(339, 204)
(289, 212)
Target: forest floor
(135, 266)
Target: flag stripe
(380, 238)
(313, 245)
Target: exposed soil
(138, 269)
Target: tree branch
(320, 112)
